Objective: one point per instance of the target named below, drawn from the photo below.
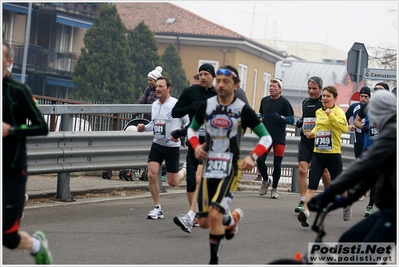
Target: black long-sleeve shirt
(18, 106)
(189, 100)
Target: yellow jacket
(328, 130)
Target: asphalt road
(117, 231)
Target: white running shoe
(155, 214)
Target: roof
(295, 74)
(155, 15)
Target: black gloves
(365, 129)
(276, 116)
(321, 200)
(299, 123)
(179, 133)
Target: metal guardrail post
(66, 122)
(294, 180)
(351, 138)
(297, 131)
(63, 188)
(161, 189)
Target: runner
(330, 124)
(226, 119)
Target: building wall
(309, 51)
(191, 57)
(18, 33)
(78, 36)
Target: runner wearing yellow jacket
(329, 125)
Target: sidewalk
(39, 186)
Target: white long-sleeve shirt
(162, 123)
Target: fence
(65, 152)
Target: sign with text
(379, 74)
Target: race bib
(373, 133)
(308, 124)
(218, 165)
(323, 140)
(159, 129)
(201, 131)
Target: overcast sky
(335, 23)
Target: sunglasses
(378, 88)
(226, 72)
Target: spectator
(196, 80)
(149, 95)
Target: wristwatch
(254, 156)
(12, 130)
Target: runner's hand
(248, 163)
(200, 152)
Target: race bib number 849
(323, 140)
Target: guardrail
(63, 153)
(90, 117)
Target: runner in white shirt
(164, 146)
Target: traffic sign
(379, 74)
(357, 61)
(355, 97)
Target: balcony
(45, 60)
(86, 9)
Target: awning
(73, 21)
(18, 9)
(17, 77)
(60, 82)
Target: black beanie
(383, 85)
(365, 90)
(209, 68)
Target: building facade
(55, 39)
(57, 31)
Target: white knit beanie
(155, 74)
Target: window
(266, 83)
(255, 84)
(214, 63)
(242, 71)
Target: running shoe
(43, 256)
(369, 211)
(26, 202)
(347, 213)
(300, 207)
(184, 166)
(155, 214)
(303, 218)
(274, 194)
(184, 222)
(195, 222)
(264, 187)
(231, 231)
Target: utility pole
(26, 45)
(253, 18)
